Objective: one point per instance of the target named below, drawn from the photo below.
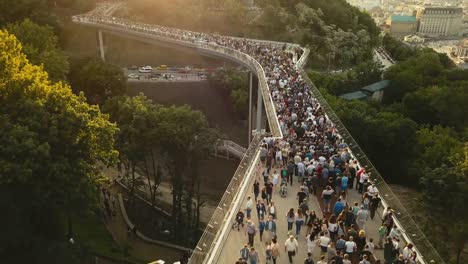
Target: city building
(440, 21)
(461, 50)
(401, 26)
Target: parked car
(147, 68)
(132, 68)
(133, 76)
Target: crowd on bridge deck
(312, 153)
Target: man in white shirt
(407, 251)
(350, 246)
(291, 246)
(372, 190)
(361, 217)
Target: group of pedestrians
(311, 155)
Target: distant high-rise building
(440, 21)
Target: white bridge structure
(216, 241)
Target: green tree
(445, 192)
(40, 45)
(434, 105)
(97, 79)
(437, 146)
(419, 71)
(51, 147)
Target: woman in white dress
(275, 179)
(311, 242)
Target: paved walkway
(236, 240)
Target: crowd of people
(311, 155)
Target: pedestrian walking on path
(291, 246)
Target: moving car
(143, 70)
(162, 67)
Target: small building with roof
(401, 26)
(358, 95)
(374, 92)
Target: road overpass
(219, 243)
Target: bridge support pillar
(259, 109)
(101, 46)
(250, 106)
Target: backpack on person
(308, 261)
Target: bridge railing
(212, 240)
(410, 230)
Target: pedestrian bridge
(219, 243)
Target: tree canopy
(51, 145)
(97, 79)
(40, 45)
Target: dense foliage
(97, 79)
(40, 45)
(51, 144)
(236, 82)
(174, 138)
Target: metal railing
(230, 147)
(212, 240)
(216, 232)
(410, 230)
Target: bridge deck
(236, 240)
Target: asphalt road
(178, 77)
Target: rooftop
(378, 86)
(354, 95)
(403, 18)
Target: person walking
(261, 227)
(309, 259)
(253, 256)
(324, 240)
(256, 189)
(275, 251)
(361, 217)
(291, 246)
(244, 252)
(268, 252)
(374, 205)
(299, 218)
(350, 247)
(291, 168)
(301, 195)
(251, 230)
(382, 233)
(326, 196)
(290, 217)
(272, 210)
(261, 210)
(248, 207)
(270, 227)
(311, 243)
